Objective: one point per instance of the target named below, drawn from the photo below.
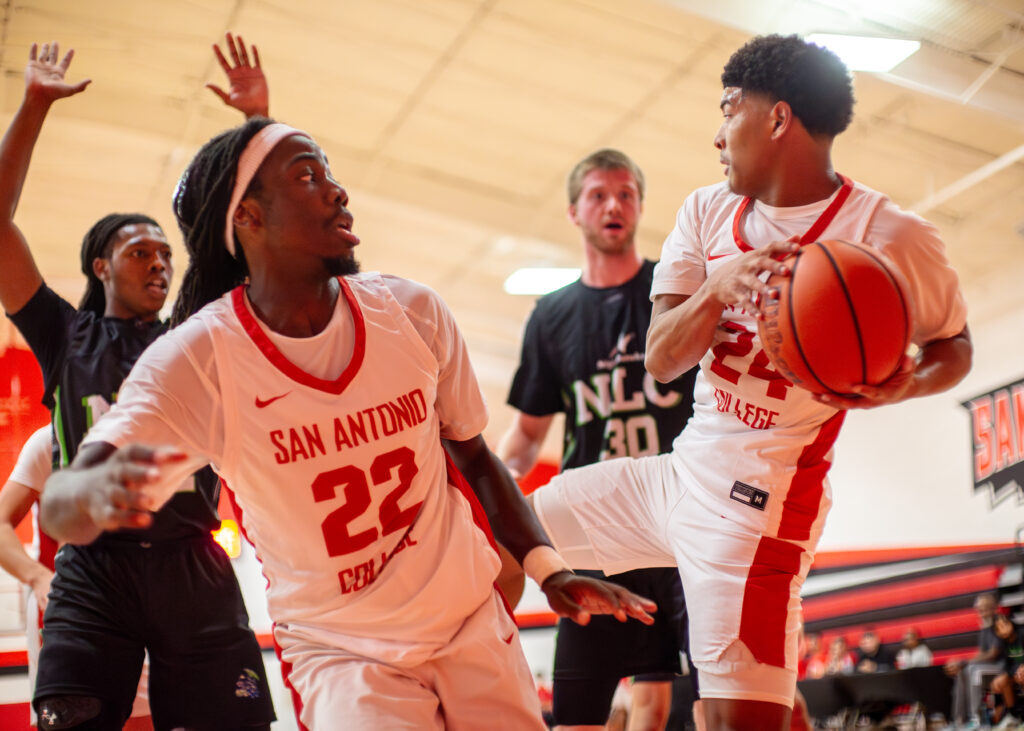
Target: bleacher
(931, 590)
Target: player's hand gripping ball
(842, 318)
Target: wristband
(542, 562)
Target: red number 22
(356, 491)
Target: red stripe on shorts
(803, 499)
(766, 599)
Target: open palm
(44, 75)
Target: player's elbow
(658, 365)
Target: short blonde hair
(603, 159)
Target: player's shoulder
(561, 299)
(711, 196)
(408, 292)
(705, 204)
(889, 221)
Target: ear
(101, 268)
(571, 214)
(248, 214)
(781, 118)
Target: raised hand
(44, 75)
(248, 93)
(578, 597)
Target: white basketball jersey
(759, 447)
(341, 484)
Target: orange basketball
(841, 319)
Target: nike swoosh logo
(719, 256)
(508, 640)
(261, 404)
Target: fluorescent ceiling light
(864, 53)
(540, 280)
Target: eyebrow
(305, 155)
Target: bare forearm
(13, 558)
(520, 447)
(16, 151)
(680, 333)
(513, 522)
(942, 364)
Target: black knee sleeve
(57, 712)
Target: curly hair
(604, 159)
(98, 243)
(811, 79)
(201, 202)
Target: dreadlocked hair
(98, 243)
(201, 203)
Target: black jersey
(84, 359)
(583, 354)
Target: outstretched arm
(248, 91)
(517, 528)
(44, 84)
(521, 444)
(103, 490)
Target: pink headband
(248, 163)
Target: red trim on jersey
(286, 667)
(816, 228)
(766, 599)
(479, 516)
(803, 499)
(276, 357)
(286, 671)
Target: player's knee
(58, 712)
(652, 703)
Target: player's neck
(803, 175)
(801, 191)
(601, 270)
(296, 312)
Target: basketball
(841, 319)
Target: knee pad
(57, 712)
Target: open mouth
(345, 225)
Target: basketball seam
(852, 308)
(793, 324)
(899, 290)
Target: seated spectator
(812, 657)
(1004, 688)
(970, 675)
(871, 656)
(840, 660)
(914, 653)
